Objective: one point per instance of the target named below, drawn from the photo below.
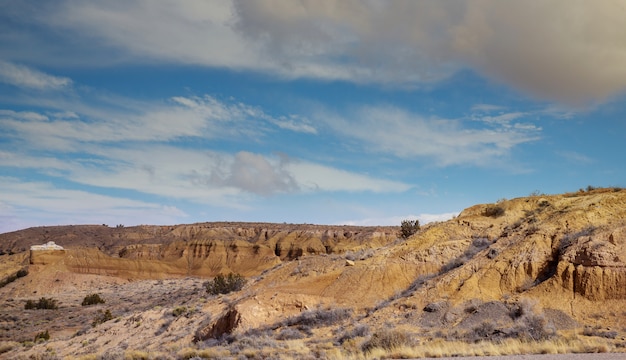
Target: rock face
(192, 250)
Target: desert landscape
(543, 274)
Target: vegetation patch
(493, 211)
(42, 336)
(408, 228)
(102, 317)
(92, 299)
(388, 340)
(320, 317)
(225, 284)
(9, 279)
(42, 304)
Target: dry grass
(444, 348)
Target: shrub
(408, 228)
(92, 299)
(320, 317)
(181, 310)
(387, 340)
(533, 327)
(102, 317)
(20, 273)
(225, 284)
(493, 211)
(290, 334)
(44, 336)
(43, 303)
(609, 334)
(358, 331)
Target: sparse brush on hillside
(12, 278)
(102, 317)
(42, 304)
(225, 284)
(42, 336)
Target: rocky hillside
(208, 249)
(535, 268)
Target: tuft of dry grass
(6, 346)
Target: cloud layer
(564, 50)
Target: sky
(358, 112)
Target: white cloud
(294, 123)
(251, 173)
(30, 203)
(392, 130)
(25, 77)
(317, 177)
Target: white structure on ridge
(50, 245)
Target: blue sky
(328, 112)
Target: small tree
(408, 228)
(225, 284)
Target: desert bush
(485, 331)
(290, 334)
(408, 228)
(43, 303)
(102, 317)
(533, 327)
(320, 317)
(387, 339)
(42, 336)
(493, 211)
(20, 273)
(225, 284)
(180, 310)
(357, 331)
(92, 299)
(597, 331)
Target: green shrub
(43, 303)
(45, 336)
(408, 228)
(92, 299)
(102, 317)
(225, 284)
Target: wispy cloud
(26, 77)
(575, 157)
(391, 130)
(45, 203)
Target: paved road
(604, 356)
